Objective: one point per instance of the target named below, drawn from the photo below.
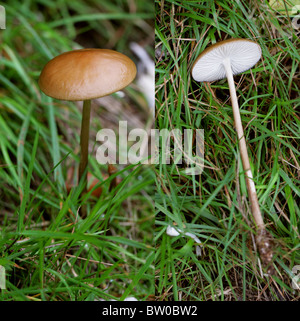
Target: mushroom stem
(84, 142)
(243, 148)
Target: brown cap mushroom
(84, 75)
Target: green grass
(214, 205)
(48, 251)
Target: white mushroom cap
(242, 53)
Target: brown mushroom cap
(86, 74)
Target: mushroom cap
(86, 74)
(243, 55)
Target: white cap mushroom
(225, 59)
(239, 54)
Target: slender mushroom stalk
(223, 60)
(243, 148)
(82, 75)
(84, 142)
